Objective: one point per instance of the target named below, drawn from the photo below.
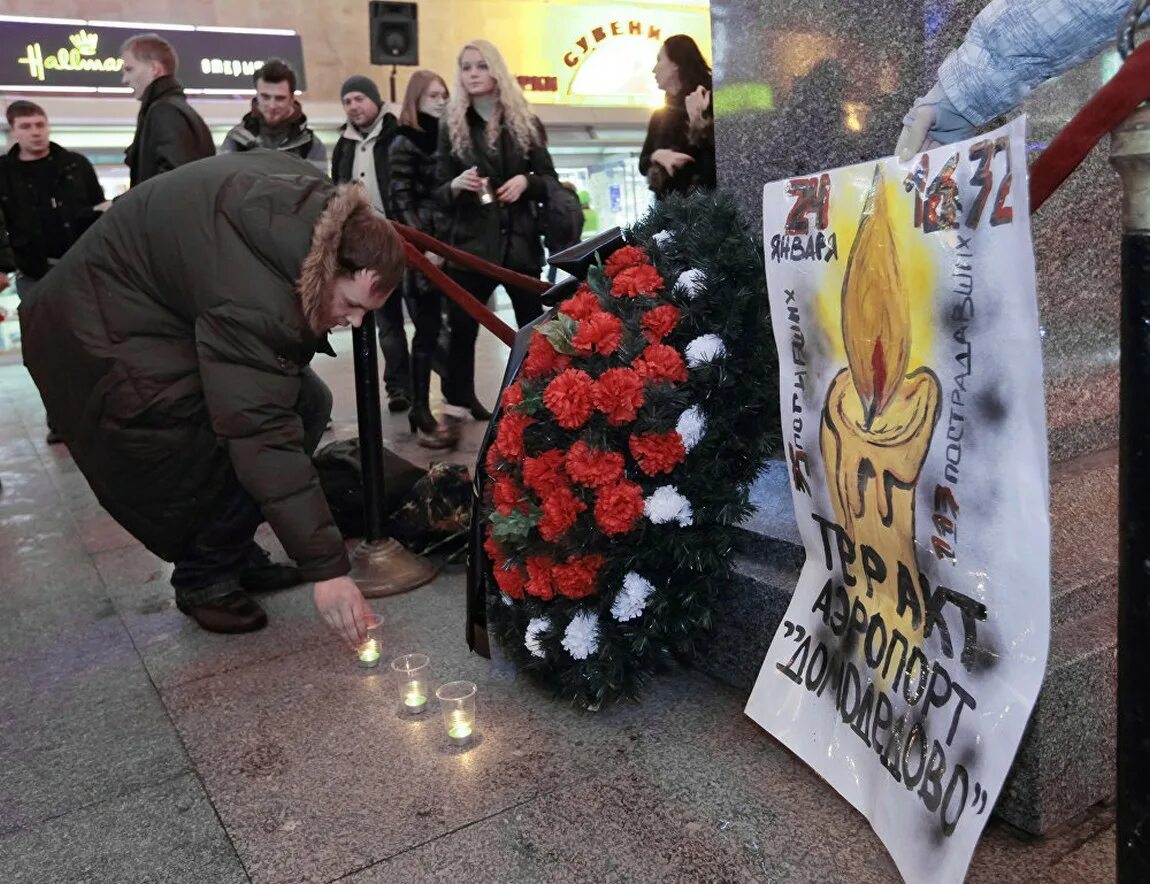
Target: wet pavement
(134, 747)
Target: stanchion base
(383, 567)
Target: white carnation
(668, 505)
(582, 637)
(693, 281)
(691, 427)
(706, 348)
(662, 238)
(631, 601)
(531, 639)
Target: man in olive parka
(172, 345)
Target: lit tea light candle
(413, 701)
(369, 654)
(413, 671)
(457, 700)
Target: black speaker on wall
(394, 31)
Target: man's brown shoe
(232, 613)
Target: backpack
(561, 219)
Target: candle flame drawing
(879, 416)
(876, 308)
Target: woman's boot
(431, 433)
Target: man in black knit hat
(361, 155)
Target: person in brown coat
(172, 345)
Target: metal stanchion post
(380, 566)
(1130, 154)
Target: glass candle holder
(370, 650)
(457, 700)
(412, 671)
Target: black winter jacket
(169, 342)
(24, 244)
(343, 156)
(670, 128)
(503, 234)
(168, 132)
(412, 164)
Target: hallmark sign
(66, 56)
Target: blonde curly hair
(511, 106)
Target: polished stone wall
(802, 86)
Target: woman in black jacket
(411, 159)
(492, 156)
(679, 153)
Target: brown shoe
(229, 614)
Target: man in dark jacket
(172, 345)
(48, 197)
(361, 154)
(276, 120)
(168, 132)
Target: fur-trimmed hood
(321, 266)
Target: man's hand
(341, 606)
(468, 179)
(932, 121)
(512, 190)
(671, 160)
(696, 104)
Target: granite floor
(136, 748)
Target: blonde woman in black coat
(491, 159)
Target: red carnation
(542, 359)
(513, 395)
(492, 461)
(545, 472)
(510, 580)
(509, 437)
(660, 322)
(600, 332)
(592, 467)
(582, 304)
(621, 259)
(577, 577)
(539, 577)
(569, 398)
(619, 395)
(636, 281)
(492, 548)
(661, 362)
(619, 507)
(507, 496)
(561, 508)
(657, 452)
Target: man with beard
(168, 132)
(172, 345)
(276, 120)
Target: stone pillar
(802, 86)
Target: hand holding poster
(904, 308)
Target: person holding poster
(1012, 46)
(912, 652)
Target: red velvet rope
(457, 293)
(1112, 104)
